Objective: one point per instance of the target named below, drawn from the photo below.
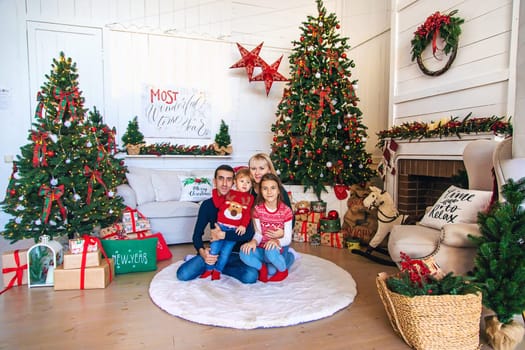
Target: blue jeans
(275, 259)
(235, 268)
(223, 248)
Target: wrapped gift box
(138, 226)
(137, 235)
(329, 225)
(76, 246)
(318, 207)
(74, 261)
(95, 277)
(134, 221)
(332, 239)
(303, 230)
(114, 231)
(14, 267)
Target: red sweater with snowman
(234, 208)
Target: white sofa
(165, 197)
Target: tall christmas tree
(319, 138)
(64, 182)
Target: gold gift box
(95, 277)
(74, 261)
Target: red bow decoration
(270, 74)
(39, 138)
(89, 240)
(50, 195)
(65, 100)
(249, 60)
(18, 270)
(94, 176)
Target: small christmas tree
(223, 141)
(64, 182)
(500, 262)
(319, 138)
(132, 135)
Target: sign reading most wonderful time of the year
(175, 113)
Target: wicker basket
(134, 149)
(438, 322)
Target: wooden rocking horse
(387, 217)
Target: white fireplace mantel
(445, 148)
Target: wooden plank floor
(122, 316)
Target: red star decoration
(270, 74)
(249, 60)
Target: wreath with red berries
(437, 25)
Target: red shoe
(263, 273)
(215, 275)
(206, 274)
(279, 276)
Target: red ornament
(12, 192)
(338, 26)
(50, 153)
(340, 191)
(291, 177)
(93, 129)
(343, 55)
(318, 151)
(249, 60)
(333, 215)
(302, 38)
(270, 74)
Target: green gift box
(330, 225)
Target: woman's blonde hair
(263, 156)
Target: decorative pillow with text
(195, 189)
(457, 205)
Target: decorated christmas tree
(132, 135)
(223, 140)
(500, 262)
(319, 138)
(64, 182)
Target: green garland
(451, 127)
(446, 26)
(159, 149)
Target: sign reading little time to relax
(175, 113)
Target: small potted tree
(500, 266)
(222, 143)
(133, 139)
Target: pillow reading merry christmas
(457, 205)
(195, 189)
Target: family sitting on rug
(254, 255)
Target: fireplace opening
(421, 182)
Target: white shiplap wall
(478, 80)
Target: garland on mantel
(161, 149)
(451, 126)
(443, 128)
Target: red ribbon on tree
(18, 270)
(39, 138)
(50, 195)
(90, 240)
(112, 145)
(94, 176)
(65, 100)
(39, 106)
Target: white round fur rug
(315, 288)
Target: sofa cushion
(141, 184)
(195, 189)
(169, 209)
(457, 205)
(166, 185)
